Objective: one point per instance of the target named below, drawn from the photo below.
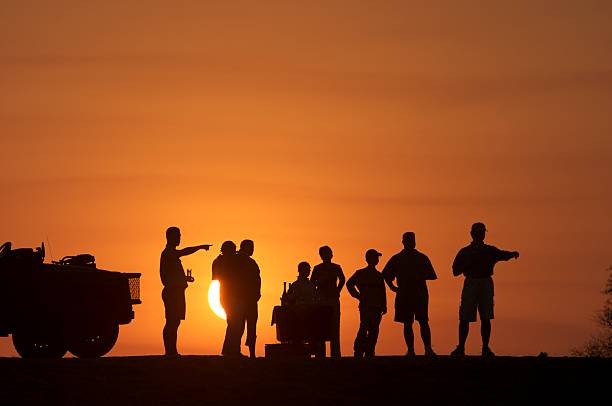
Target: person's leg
(485, 308)
(170, 334)
(251, 325)
(228, 332)
(467, 313)
(464, 330)
(359, 347)
(485, 332)
(409, 337)
(235, 330)
(231, 346)
(422, 315)
(240, 328)
(334, 346)
(373, 330)
(425, 334)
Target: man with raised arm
(175, 282)
(412, 269)
(476, 263)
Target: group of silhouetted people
(238, 274)
(405, 273)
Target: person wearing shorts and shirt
(476, 263)
(412, 269)
(368, 286)
(175, 282)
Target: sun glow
(214, 299)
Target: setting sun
(213, 299)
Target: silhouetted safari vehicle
(67, 305)
(301, 330)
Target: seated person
(302, 291)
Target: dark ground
(205, 380)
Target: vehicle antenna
(49, 244)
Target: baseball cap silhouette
(372, 253)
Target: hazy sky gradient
(340, 123)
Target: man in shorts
(412, 269)
(476, 263)
(175, 282)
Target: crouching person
(368, 286)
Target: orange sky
(329, 123)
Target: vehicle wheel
(94, 342)
(31, 344)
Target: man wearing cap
(412, 269)
(368, 286)
(476, 263)
(174, 280)
(329, 280)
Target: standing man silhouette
(476, 263)
(175, 282)
(368, 286)
(226, 269)
(329, 279)
(412, 269)
(252, 291)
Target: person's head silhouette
(304, 269)
(372, 257)
(478, 232)
(173, 236)
(228, 248)
(326, 253)
(409, 240)
(247, 247)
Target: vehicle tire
(93, 342)
(36, 344)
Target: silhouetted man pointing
(175, 282)
(476, 263)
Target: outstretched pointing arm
(506, 255)
(191, 250)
